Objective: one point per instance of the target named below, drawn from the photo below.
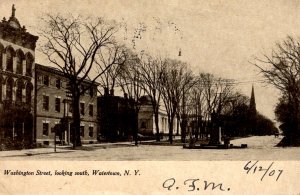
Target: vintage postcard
(149, 97)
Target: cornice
(18, 36)
(52, 70)
(10, 74)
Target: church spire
(252, 105)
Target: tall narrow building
(17, 56)
(252, 106)
(252, 114)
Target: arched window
(1, 56)
(29, 61)
(20, 87)
(20, 57)
(9, 59)
(28, 93)
(1, 89)
(9, 89)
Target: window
(19, 65)
(91, 131)
(143, 125)
(91, 110)
(57, 104)
(29, 62)
(19, 62)
(0, 88)
(91, 91)
(28, 93)
(45, 102)
(39, 78)
(58, 83)
(1, 56)
(82, 108)
(46, 129)
(70, 107)
(19, 91)
(46, 80)
(82, 131)
(9, 60)
(53, 129)
(9, 89)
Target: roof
(57, 71)
(11, 30)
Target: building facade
(116, 117)
(53, 107)
(146, 120)
(17, 57)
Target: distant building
(146, 120)
(17, 56)
(252, 114)
(252, 106)
(54, 106)
(116, 117)
(117, 120)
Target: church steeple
(252, 105)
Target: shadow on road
(35, 154)
(97, 147)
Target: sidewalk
(68, 148)
(62, 149)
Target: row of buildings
(34, 97)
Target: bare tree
(194, 109)
(129, 81)
(150, 81)
(233, 101)
(109, 62)
(216, 91)
(282, 70)
(72, 44)
(177, 79)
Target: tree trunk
(183, 130)
(171, 129)
(76, 120)
(156, 124)
(177, 125)
(136, 127)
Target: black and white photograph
(100, 81)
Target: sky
(217, 36)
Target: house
(116, 117)
(53, 106)
(17, 56)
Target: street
(259, 148)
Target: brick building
(17, 56)
(116, 117)
(53, 105)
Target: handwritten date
(255, 167)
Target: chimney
(112, 92)
(106, 91)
